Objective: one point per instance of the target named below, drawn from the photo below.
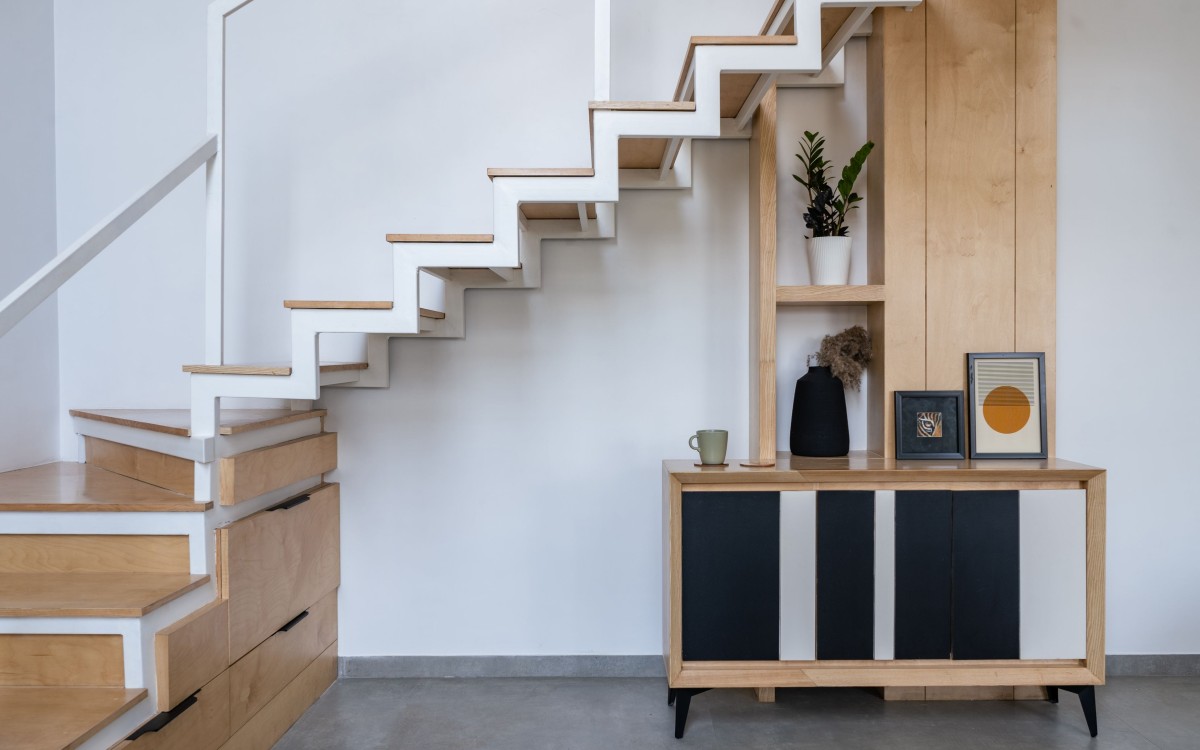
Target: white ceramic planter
(829, 260)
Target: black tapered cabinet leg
(1087, 699)
(682, 700)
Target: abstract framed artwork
(929, 424)
(1007, 393)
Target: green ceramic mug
(711, 445)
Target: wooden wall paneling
(36, 660)
(1036, 183)
(763, 237)
(191, 652)
(896, 204)
(159, 469)
(970, 273)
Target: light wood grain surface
(1095, 544)
(274, 564)
(178, 421)
(703, 41)
(860, 467)
(971, 181)
(191, 652)
(268, 725)
(830, 295)
(896, 106)
(169, 472)
(1036, 189)
(549, 211)
(203, 726)
(93, 553)
(60, 718)
(61, 660)
(641, 153)
(763, 207)
(260, 675)
(313, 304)
(540, 172)
(644, 106)
(253, 473)
(91, 594)
(277, 369)
(78, 487)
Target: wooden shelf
(797, 296)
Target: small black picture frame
(930, 425)
(1014, 429)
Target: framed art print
(929, 424)
(1007, 393)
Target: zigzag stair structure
(119, 577)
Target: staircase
(131, 613)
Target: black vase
(819, 425)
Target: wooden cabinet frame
(871, 472)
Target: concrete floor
(1161, 713)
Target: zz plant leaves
(827, 206)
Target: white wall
(29, 353)
(1127, 356)
(502, 497)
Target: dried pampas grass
(847, 355)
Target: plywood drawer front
(202, 726)
(260, 675)
(277, 563)
(191, 652)
(265, 728)
(257, 472)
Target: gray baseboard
(379, 667)
(1153, 665)
(368, 667)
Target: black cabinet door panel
(924, 533)
(845, 575)
(730, 576)
(987, 575)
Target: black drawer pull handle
(162, 720)
(302, 499)
(293, 622)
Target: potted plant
(828, 206)
(819, 423)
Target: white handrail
(25, 298)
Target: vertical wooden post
(763, 231)
(1096, 492)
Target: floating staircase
(178, 590)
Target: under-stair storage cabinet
(871, 572)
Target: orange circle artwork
(1006, 410)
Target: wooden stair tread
(60, 718)
(709, 41)
(641, 153)
(541, 172)
(550, 211)
(644, 106)
(179, 421)
(69, 486)
(312, 304)
(268, 369)
(456, 238)
(91, 594)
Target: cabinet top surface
(865, 466)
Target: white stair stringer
(505, 251)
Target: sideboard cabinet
(865, 571)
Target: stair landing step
(178, 421)
(72, 487)
(268, 369)
(60, 718)
(91, 594)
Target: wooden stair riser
(93, 553)
(248, 475)
(67, 660)
(169, 472)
